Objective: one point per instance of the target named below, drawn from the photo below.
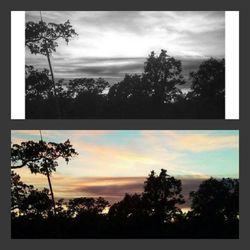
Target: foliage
(82, 85)
(27, 201)
(216, 198)
(163, 73)
(207, 93)
(19, 191)
(152, 214)
(209, 80)
(38, 84)
(83, 205)
(131, 208)
(41, 38)
(162, 194)
(155, 93)
(41, 156)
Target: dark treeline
(155, 213)
(156, 93)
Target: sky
(113, 162)
(112, 43)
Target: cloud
(108, 67)
(111, 188)
(52, 134)
(130, 34)
(135, 153)
(205, 142)
(113, 162)
(195, 141)
(114, 70)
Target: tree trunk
(54, 86)
(51, 192)
(52, 76)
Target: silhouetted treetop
(209, 80)
(41, 156)
(152, 214)
(28, 201)
(158, 201)
(163, 69)
(131, 207)
(130, 88)
(155, 87)
(217, 199)
(19, 190)
(162, 193)
(163, 73)
(41, 37)
(82, 85)
(83, 205)
(38, 83)
(155, 93)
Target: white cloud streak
(126, 34)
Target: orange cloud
(195, 142)
(111, 188)
(149, 150)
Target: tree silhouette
(208, 87)
(162, 194)
(41, 157)
(82, 85)
(38, 84)
(39, 93)
(216, 199)
(163, 73)
(19, 191)
(215, 209)
(158, 202)
(27, 201)
(87, 96)
(150, 92)
(86, 205)
(129, 209)
(209, 80)
(156, 93)
(37, 203)
(41, 38)
(152, 214)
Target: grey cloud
(112, 190)
(211, 41)
(112, 68)
(123, 21)
(67, 66)
(108, 71)
(116, 192)
(189, 185)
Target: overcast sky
(112, 162)
(113, 43)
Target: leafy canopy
(216, 199)
(41, 38)
(41, 156)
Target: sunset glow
(113, 162)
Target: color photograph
(125, 64)
(114, 184)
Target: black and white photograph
(125, 64)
